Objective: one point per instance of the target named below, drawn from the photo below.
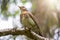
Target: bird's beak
(19, 7)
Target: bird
(27, 20)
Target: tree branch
(15, 32)
(28, 33)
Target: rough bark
(28, 33)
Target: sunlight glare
(53, 4)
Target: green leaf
(23, 1)
(15, 13)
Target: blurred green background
(9, 17)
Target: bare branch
(17, 32)
(28, 33)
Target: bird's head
(22, 8)
(24, 12)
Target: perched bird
(28, 21)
